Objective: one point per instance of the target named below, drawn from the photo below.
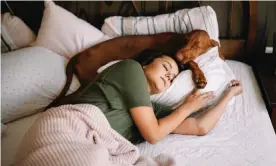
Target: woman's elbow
(152, 140)
(202, 131)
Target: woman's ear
(213, 43)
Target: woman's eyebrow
(168, 63)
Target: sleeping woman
(122, 91)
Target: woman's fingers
(207, 95)
(234, 83)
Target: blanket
(80, 135)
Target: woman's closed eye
(166, 68)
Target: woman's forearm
(205, 123)
(169, 123)
(209, 119)
(154, 130)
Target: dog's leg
(198, 75)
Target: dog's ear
(213, 43)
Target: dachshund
(184, 47)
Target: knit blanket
(80, 135)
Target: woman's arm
(206, 122)
(154, 130)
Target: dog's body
(185, 47)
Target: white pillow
(31, 78)
(15, 33)
(216, 71)
(64, 33)
(181, 21)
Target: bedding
(181, 21)
(15, 33)
(77, 34)
(31, 78)
(84, 130)
(243, 136)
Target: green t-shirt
(119, 88)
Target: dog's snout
(179, 57)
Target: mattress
(243, 136)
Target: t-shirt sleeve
(129, 79)
(161, 111)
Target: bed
(243, 136)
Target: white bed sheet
(243, 136)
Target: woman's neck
(150, 91)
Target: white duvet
(243, 136)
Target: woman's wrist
(186, 108)
(228, 95)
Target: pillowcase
(64, 33)
(31, 78)
(15, 33)
(216, 71)
(181, 21)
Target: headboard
(237, 19)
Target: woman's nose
(169, 76)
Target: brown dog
(185, 47)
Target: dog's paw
(200, 80)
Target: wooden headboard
(238, 47)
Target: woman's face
(160, 73)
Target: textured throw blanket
(80, 135)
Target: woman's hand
(235, 88)
(196, 101)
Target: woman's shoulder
(124, 68)
(128, 66)
(129, 63)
